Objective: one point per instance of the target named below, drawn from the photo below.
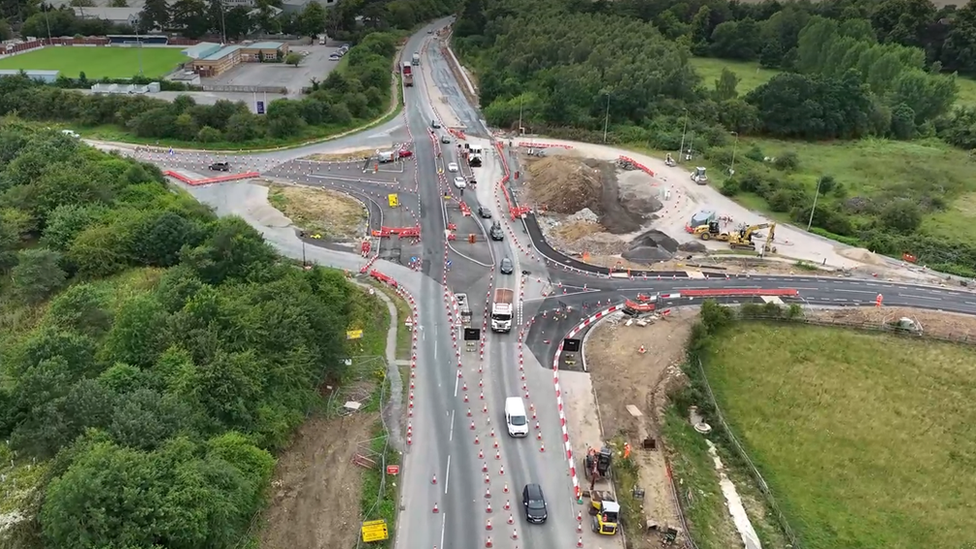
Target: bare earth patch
(316, 490)
(330, 213)
(342, 156)
(622, 377)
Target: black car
(534, 503)
(496, 232)
(506, 267)
(484, 212)
(220, 167)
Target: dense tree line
(160, 401)
(360, 92)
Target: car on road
(484, 212)
(405, 153)
(534, 502)
(220, 167)
(506, 267)
(435, 124)
(452, 167)
(446, 139)
(496, 233)
(460, 183)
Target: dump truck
(502, 310)
(464, 310)
(415, 60)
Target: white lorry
(415, 60)
(502, 310)
(464, 310)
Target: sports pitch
(97, 63)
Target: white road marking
(855, 291)
(921, 297)
(452, 425)
(457, 380)
(447, 481)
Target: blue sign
(413, 259)
(171, 151)
(260, 107)
(448, 263)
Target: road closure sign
(375, 530)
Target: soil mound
(862, 255)
(564, 185)
(651, 247)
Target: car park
(460, 183)
(534, 502)
(220, 167)
(506, 267)
(484, 212)
(452, 167)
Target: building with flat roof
(214, 60)
(118, 16)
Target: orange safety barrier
(726, 292)
(219, 179)
(383, 278)
(638, 165)
(543, 145)
(465, 210)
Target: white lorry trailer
(502, 310)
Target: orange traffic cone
(642, 350)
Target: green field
(751, 76)
(97, 63)
(866, 441)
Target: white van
(515, 418)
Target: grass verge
(325, 212)
(379, 490)
(625, 476)
(863, 439)
(404, 336)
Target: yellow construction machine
(605, 512)
(711, 231)
(743, 238)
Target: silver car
(506, 267)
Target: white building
(118, 16)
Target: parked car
(506, 267)
(220, 167)
(452, 167)
(460, 183)
(484, 212)
(334, 57)
(534, 502)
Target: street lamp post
(606, 120)
(735, 145)
(814, 208)
(684, 132)
(520, 115)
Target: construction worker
(626, 450)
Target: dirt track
(316, 490)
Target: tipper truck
(407, 72)
(502, 310)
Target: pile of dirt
(862, 255)
(651, 247)
(638, 193)
(933, 323)
(564, 185)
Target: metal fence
(244, 89)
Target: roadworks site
(860, 421)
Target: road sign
(393, 199)
(354, 334)
(448, 263)
(374, 530)
(259, 107)
(393, 469)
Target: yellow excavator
(741, 238)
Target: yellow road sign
(354, 334)
(393, 200)
(374, 530)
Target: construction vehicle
(605, 512)
(743, 237)
(464, 310)
(711, 231)
(415, 60)
(597, 464)
(502, 310)
(698, 176)
(640, 307)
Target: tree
(902, 216)
(37, 275)
(311, 22)
(293, 58)
(118, 4)
(139, 333)
(82, 308)
(155, 14)
(725, 85)
(191, 15)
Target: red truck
(407, 73)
